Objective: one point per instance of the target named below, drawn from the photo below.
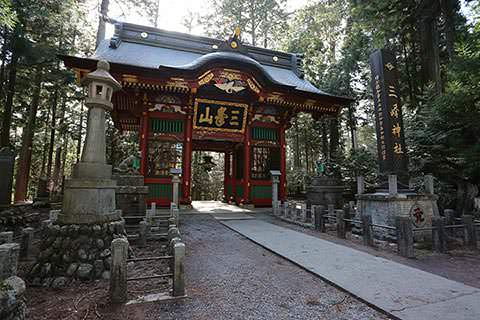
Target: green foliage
(8, 18)
(261, 21)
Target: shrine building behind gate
(184, 93)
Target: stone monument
(393, 198)
(77, 244)
(326, 187)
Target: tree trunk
(101, 21)
(23, 172)
(334, 138)
(7, 113)
(449, 9)
(52, 139)
(324, 139)
(430, 53)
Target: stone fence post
(8, 259)
(360, 185)
(6, 237)
(392, 185)
(319, 212)
(341, 224)
(179, 269)
(469, 231)
(438, 234)
(143, 233)
(367, 230)
(405, 237)
(331, 213)
(118, 278)
(27, 242)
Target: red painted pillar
(226, 175)
(283, 165)
(246, 172)
(143, 143)
(187, 159)
(234, 175)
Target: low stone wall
(12, 288)
(75, 252)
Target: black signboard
(388, 115)
(220, 116)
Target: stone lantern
(78, 237)
(90, 194)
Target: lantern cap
(101, 75)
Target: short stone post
(176, 216)
(171, 222)
(143, 233)
(438, 234)
(275, 180)
(331, 213)
(319, 212)
(118, 278)
(310, 214)
(298, 212)
(9, 258)
(6, 237)
(27, 242)
(392, 185)
(367, 230)
(469, 232)
(360, 185)
(179, 269)
(449, 215)
(405, 237)
(176, 182)
(428, 184)
(341, 225)
(151, 213)
(173, 233)
(285, 209)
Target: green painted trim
(161, 191)
(166, 125)
(239, 190)
(261, 192)
(261, 133)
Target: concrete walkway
(402, 291)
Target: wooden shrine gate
(183, 93)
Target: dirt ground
(228, 277)
(459, 264)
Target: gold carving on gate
(221, 117)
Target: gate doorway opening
(208, 175)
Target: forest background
(436, 43)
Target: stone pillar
(367, 230)
(439, 236)
(341, 224)
(118, 279)
(428, 184)
(331, 213)
(319, 212)
(405, 237)
(360, 185)
(179, 270)
(176, 183)
(275, 180)
(392, 185)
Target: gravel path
(229, 277)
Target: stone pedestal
(130, 194)
(71, 252)
(325, 190)
(384, 207)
